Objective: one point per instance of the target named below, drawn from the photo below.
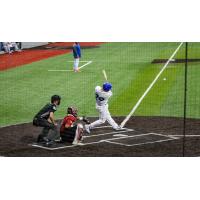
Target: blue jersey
(76, 50)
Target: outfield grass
(25, 89)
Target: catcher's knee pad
(80, 126)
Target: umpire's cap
(55, 98)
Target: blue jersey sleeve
(79, 50)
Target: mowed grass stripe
(24, 90)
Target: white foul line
(183, 135)
(150, 86)
(69, 70)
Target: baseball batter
(102, 96)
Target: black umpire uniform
(41, 120)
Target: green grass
(25, 89)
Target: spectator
(9, 47)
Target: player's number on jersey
(99, 98)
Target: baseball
(164, 79)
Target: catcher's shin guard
(78, 134)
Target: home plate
(119, 135)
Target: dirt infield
(144, 136)
(8, 61)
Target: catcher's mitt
(86, 120)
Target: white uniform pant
(104, 115)
(76, 63)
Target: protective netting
(154, 88)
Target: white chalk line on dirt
(83, 144)
(150, 86)
(143, 143)
(133, 136)
(139, 144)
(69, 70)
(102, 127)
(127, 130)
(125, 137)
(113, 139)
(183, 136)
(169, 136)
(119, 135)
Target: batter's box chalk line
(84, 144)
(110, 133)
(168, 138)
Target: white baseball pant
(104, 115)
(76, 63)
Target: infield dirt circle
(144, 136)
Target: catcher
(70, 131)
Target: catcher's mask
(56, 98)
(73, 111)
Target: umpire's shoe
(45, 141)
(48, 142)
(40, 139)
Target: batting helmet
(73, 111)
(55, 98)
(107, 86)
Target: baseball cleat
(48, 141)
(87, 128)
(119, 128)
(58, 139)
(40, 139)
(77, 143)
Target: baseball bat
(104, 74)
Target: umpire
(45, 118)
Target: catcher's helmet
(55, 98)
(107, 86)
(73, 111)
